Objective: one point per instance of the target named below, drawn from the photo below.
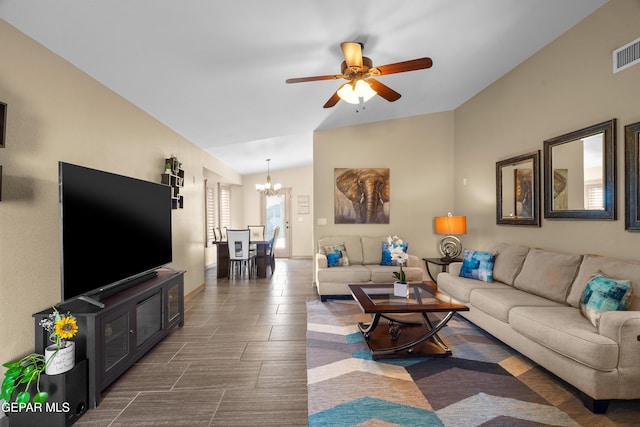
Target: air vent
(626, 56)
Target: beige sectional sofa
(533, 306)
(365, 255)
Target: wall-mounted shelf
(173, 176)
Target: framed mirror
(518, 190)
(580, 173)
(632, 176)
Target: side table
(441, 263)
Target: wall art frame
(3, 124)
(607, 130)
(632, 176)
(518, 190)
(361, 195)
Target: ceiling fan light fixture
(352, 92)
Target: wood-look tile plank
(244, 333)
(288, 333)
(150, 376)
(249, 407)
(192, 408)
(300, 308)
(223, 374)
(283, 319)
(190, 334)
(210, 351)
(162, 353)
(277, 374)
(112, 403)
(275, 350)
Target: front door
(276, 211)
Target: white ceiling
(214, 71)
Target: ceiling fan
(359, 71)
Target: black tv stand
(131, 323)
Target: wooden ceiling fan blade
(352, 52)
(384, 91)
(332, 101)
(404, 66)
(313, 78)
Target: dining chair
(257, 232)
(216, 234)
(270, 249)
(239, 255)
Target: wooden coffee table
(408, 330)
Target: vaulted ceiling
(215, 71)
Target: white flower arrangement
(399, 255)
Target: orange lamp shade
(451, 225)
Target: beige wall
(300, 181)
(419, 153)
(566, 86)
(57, 113)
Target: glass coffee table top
(397, 335)
(380, 298)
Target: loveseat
(533, 305)
(364, 255)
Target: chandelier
(267, 188)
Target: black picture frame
(3, 124)
(632, 176)
(534, 198)
(608, 129)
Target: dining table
(262, 258)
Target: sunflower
(66, 327)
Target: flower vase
(60, 360)
(400, 289)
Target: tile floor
(239, 360)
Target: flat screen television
(114, 230)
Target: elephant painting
(362, 196)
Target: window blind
(224, 198)
(210, 213)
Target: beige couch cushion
(372, 249)
(614, 268)
(351, 274)
(498, 302)
(565, 331)
(351, 243)
(508, 262)
(548, 274)
(460, 288)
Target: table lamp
(450, 246)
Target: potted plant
(24, 371)
(29, 369)
(398, 254)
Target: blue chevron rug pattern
(484, 382)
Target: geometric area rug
(483, 383)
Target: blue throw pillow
(336, 255)
(386, 253)
(478, 265)
(604, 294)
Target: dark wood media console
(131, 323)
